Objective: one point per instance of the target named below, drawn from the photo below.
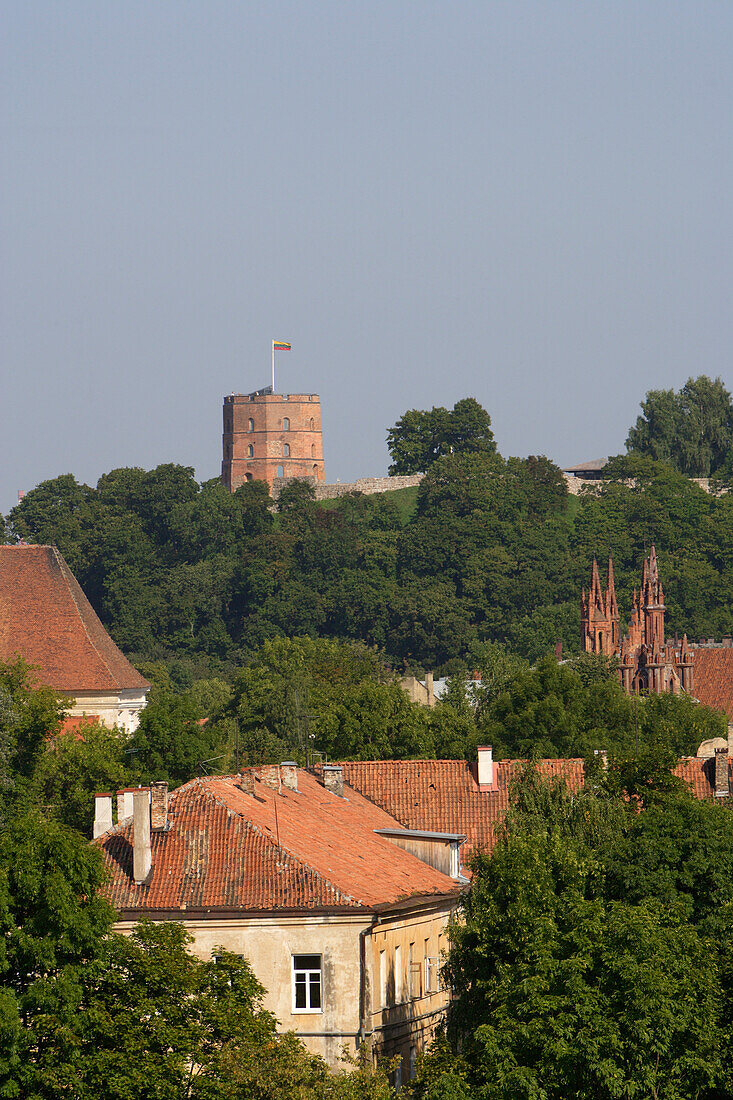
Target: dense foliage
(421, 436)
(594, 961)
(692, 430)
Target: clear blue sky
(529, 203)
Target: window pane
(300, 993)
(306, 962)
(315, 990)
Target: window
(280, 472)
(250, 425)
(250, 451)
(398, 983)
(383, 978)
(307, 983)
(313, 424)
(286, 423)
(413, 1061)
(286, 450)
(248, 477)
(313, 450)
(414, 974)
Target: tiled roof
(444, 796)
(284, 850)
(46, 618)
(713, 683)
(699, 774)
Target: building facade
(269, 436)
(46, 619)
(342, 913)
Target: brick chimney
(102, 814)
(289, 775)
(270, 776)
(142, 856)
(430, 689)
(333, 779)
(722, 783)
(124, 804)
(159, 805)
(246, 781)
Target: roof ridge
(64, 567)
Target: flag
(280, 345)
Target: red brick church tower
(268, 436)
(648, 662)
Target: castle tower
(269, 436)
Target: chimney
(430, 688)
(485, 766)
(289, 775)
(159, 805)
(124, 804)
(102, 814)
(722, 786)
(246, 782)
(142, 857)
(333, 779)
(270, 776)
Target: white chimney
(102, 814)
(485, 766)
(124, 804)
(142, 858)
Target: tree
(562, 989)
(29, 715)
(52, 926)
(692, 429)
(421, 436)
(75, 767)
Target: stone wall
(366, 485)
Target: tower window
(286, 423)
(313, 450)
(250, 425)
(280, 472)
(286, 450)
(313, 424)
(250, 451)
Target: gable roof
(713, 682)
(272, 850)
(46, 618)
(444, 795)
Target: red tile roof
(699, 774)
(444, 796)
(46, 618)
(284, 850)
(713, 683)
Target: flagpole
(273, 366)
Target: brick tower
(271, 435)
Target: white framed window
(307, 983)
(432, 972)
(399, 990)
(383, 978)
(280, 472)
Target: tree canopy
(421, 436)
(691, 429)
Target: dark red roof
(444, 796)
(227, 849)
(699, 774)
(46, 619)
(713, 683)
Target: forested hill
(490, 550)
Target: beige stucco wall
(406, 1021)
(269, 943)
(121, 709)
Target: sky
(527, 203)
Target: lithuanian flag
(280, 345)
